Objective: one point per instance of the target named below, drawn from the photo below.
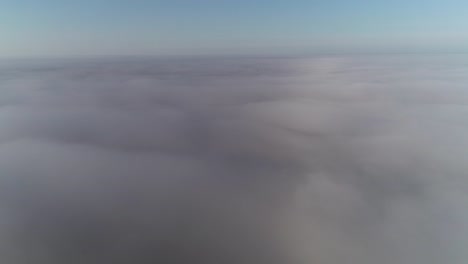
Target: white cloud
(321, 160)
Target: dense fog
(322, 160)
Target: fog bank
(325, 160)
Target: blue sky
(166, 27)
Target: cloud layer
(326, 160)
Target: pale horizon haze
(50, 28)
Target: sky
(172, 27)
